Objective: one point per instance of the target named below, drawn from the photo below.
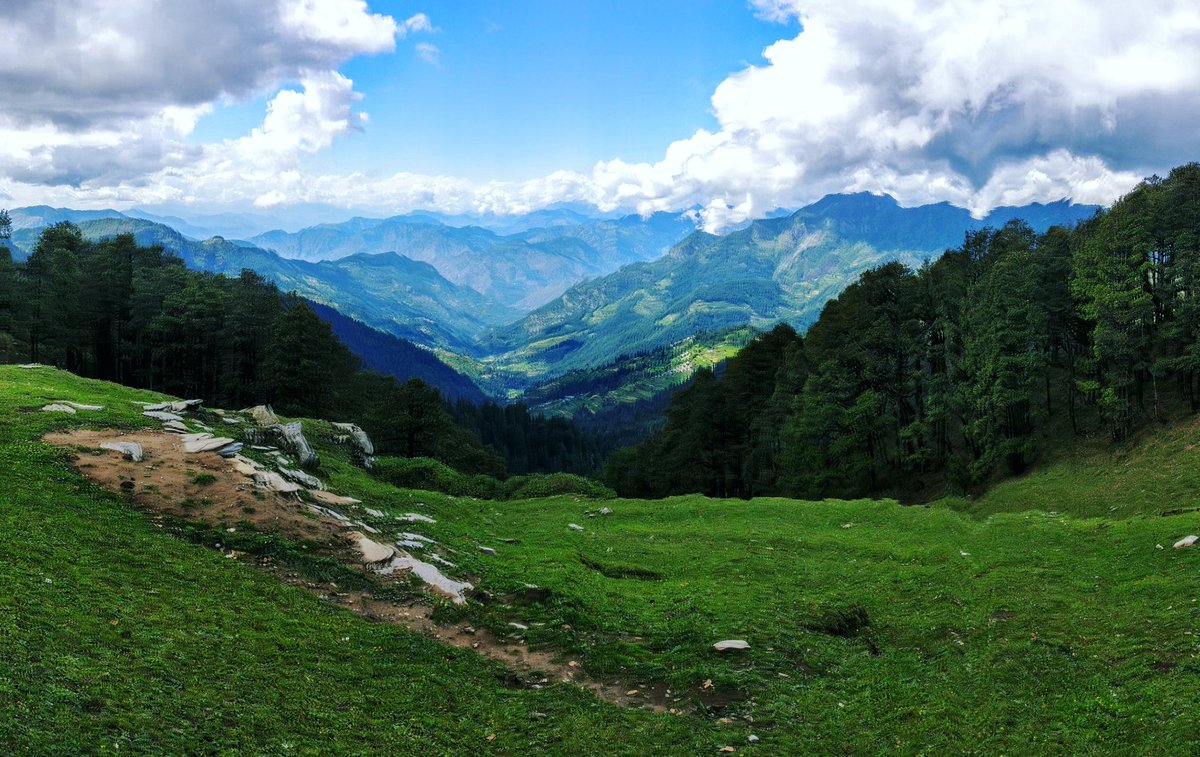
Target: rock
(185, 405)
(263, 415)
(57, 408)
(175, 427)
(519, 626)
(415, 518)
(606, 511)
(442, 560)
(160, 415)
(81, 406)
(131, 450)
(274, 482)
(244, 465)
(331, 513)
(752, 738)
(333, 500)
(372, 512)
(574, 526)
(230, 450)
(371, 550)
(362, 447)
(434, 578)
(302, 478)
(417, 537)
(486, 550)
(1187, 541)
(209, 444)
(28, 366)
(722, 646)
(293, 433)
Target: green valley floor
(1014, 627)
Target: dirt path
(204, 487)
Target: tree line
(115, 311)
(956, 373)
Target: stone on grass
(272, 481)
(27, 366)
(230, 450)
(160, 415)
(434, 578)
(371, 550)
(415, 518)
(728, 644)
(175, 427)
(331, 499)
(57, 408)
(293, 433)
(372, 512)
(574, 526)
(331, 513)
(81, 406)
(131, 450)
(263, 415)
(211, 444)
(302, 478)
(486, 550)
(1187, 541)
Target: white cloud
(429, 53)
(980, 104)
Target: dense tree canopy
(116, 311)
(957, 372)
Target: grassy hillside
(872, 627)
(1155, 474)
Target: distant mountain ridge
(523, 270)
(478, 319)
(777, 269)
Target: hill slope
(870, 625)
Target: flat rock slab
(302, 478)
(335, 500)
(160, 415)
(274, 482)
(81, 406)
(431, 575)
(574, 526)
(131, 450)
(728, 644)
(175, 427)
(331, 513)
(27, 366)
(486, 550)
(371, 550)
(1187, 541)
(57, 408)
(212, 444)
(415, 518)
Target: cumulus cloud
(980, 104)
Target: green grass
(874, 627)
(1155, 474)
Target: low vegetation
(871, 626)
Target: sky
(733, 108)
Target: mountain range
(557, 291)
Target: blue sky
(736, 108)
(521, 89)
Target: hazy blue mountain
(390, 292)
(523, 271)
(38, 216)
(778, 269)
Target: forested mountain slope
(781, 269)
(390, 292)
(958, 372)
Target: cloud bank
(982, 105)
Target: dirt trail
(204, 487)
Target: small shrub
(846, 622)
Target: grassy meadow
(1042, 618)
